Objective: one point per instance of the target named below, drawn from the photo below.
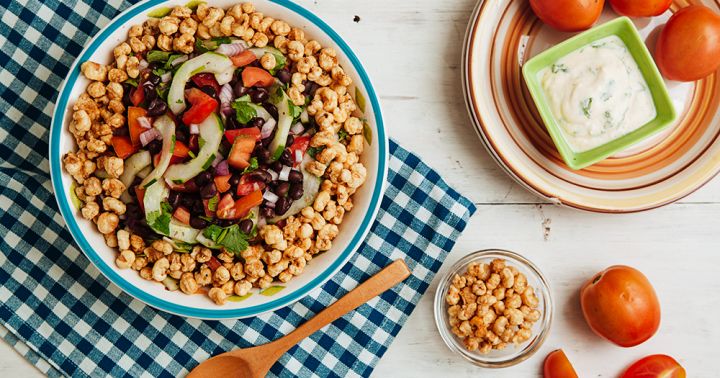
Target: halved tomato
(557, 365)
(247, 186)
(182, 214)
(243, 59)
(254, 132)
(134, 127)
(655, 366)
(202, 106)
(254, 76)
(242, 148)
(123, 146)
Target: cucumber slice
(211, 132)
(311, 187)
(183, 232)
(206, 242)
(166, 126)
(133, 165)
(159, 218)
(208, 62)
(283, 127)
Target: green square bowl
(625, 30)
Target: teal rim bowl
(626, 31)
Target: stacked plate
(500, 37)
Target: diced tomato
(222, 183)
(206, 205)
(123, 146)
(193, 143)
(240, 152)
(181, 150)
(243, 59)
(244, 204)
(254, 132)
(300, 144)
(254, 76)
(202, 106)
(206, 79)
(247, 186)
(140, 195)
(226, 207)
(134, 113)
(137, 96)
(213, 263)
(182, 214)
(173, 159)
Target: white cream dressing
(597, 94)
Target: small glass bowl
(512, 354)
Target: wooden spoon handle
(383, 280)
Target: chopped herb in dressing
(586, 105)
(559, 68)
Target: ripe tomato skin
(655, 366)
(688, 48)
(640, 8)
(568, 15)
(557, 365)
(620, 305)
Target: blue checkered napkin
(67, 319)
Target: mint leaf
(253, 165)
(244, 110)
(155, 56)
(235, 240)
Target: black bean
(282, 189)
(191, 186)
(296, 191)
(257, 122)
(208, 191)
(203, 178)
(234, 180)
(154, 147)
(271, 109)
(157, 107)
(239, 89)
(295, 176)
(150, 93)
(310, 89)
(289, 141)
(263, 155)
(276, 166)
(286, 158)
(181, 135)
(246, 226)
(210, 91)
(260, 175)
(267, 212)
(258, 95)
(266, 142)
(198, 208)
(174, 199)
(187, 201)
(282, 205)
(226, 222)
(199, 223)
(153, 79)
(283, 75)
(127, 91)
(231, 122)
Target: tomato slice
(243, 59)
(557, 365)
(242, 148)
(254, 132)
(137, 96)
(226, 207)
(244, 204)
(300, 144)
(655, 366)
(123, 146)
(140, 195)
(254, 76)
(182, 214)
(134, 127)
(206, 79)
(202, 106)
(222, 183)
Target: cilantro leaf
(276, 95)
(559, 68)
(253, 165)
(212, 232)
(244, 109)
(235, 240)
(586, 104)
(160, 220)
(295, 111)
(212, 202)
(342, 134)
(312, 151)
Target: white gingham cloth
(60, 313)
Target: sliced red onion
(222, 169)
(268, 128)
(270, 196)
(298, 156)
(143, 64)
(166, 77)
(179, 60)
(273, 174)
(149, 136)
(194, 128)
(230, 49)
(284, 174)
(144, 122)
(226, 96)
(297, 128)
(218, 159)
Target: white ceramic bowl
(352, 232)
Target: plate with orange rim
(501, 36)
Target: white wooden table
(411, 50)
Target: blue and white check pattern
(67, 319)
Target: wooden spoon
(255, 362)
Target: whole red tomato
(655, 366)
(688, 48)
(640, 8)
(557, 365)
(620, 305)
(568, 15)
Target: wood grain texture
(411, 49)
